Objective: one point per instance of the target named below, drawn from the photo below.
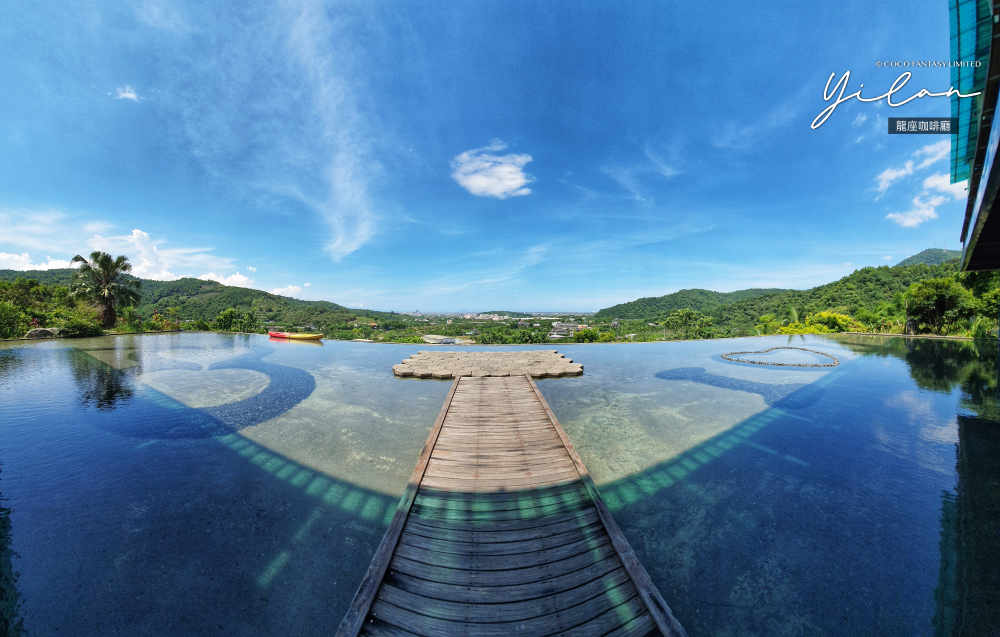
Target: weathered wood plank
(488, 536)
(505, 533)
(491, 563)
(614, 583)
(519, 592)
(599, 611)
(495, 549)
(461, 577)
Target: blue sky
(470, 155)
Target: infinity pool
(238, 485)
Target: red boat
(295, 336)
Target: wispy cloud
(921, 211)
(288, 122)
(487, 175)
(942, 183)
(859, 120)
(925, 205)
(932, 153)
(126, 93)
(250, 268)
(889, 175)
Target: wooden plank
(491, 563)
(496, 549)
(483, 501)
(490, 536)
(499, 525)
(499, 515)
(611, 619)
(432, 627)
(516, 496)
(490, 594)
(612, 583)
(355, 616)
(654, 602)
(463, 577)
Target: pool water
(239, 485)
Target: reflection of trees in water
(10, 624)
(943, 365)
(10, 361)
(966, 599)
(99, 384)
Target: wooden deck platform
(501, 532)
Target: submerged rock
(42, 332)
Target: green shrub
(832, 321)
(940, 303)
(78, 327)
(799, 328)
(12, 323)
(588, 335)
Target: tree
(102, 281)
(940, 303)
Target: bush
(799, 328)
(830, 320)
(77, 327)
(586, 336)
(940, 303)
(12, 322)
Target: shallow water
(230, 485)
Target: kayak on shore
(297, 337)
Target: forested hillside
(696, 299)
(865, 288)
(196, 299)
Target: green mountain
(932, 256)
(197, 299)
(696, 299)
(864, 288)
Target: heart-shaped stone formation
(731, 356)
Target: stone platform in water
(538, 363)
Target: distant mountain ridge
(866, 287)
(197, 299)
(931, 256)
(694, 299)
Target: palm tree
(101, 280)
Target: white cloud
(933, 153)
(308, 285)
(236, 280)
(23, 262)
(848, 263)
(920, 212)
(126, 93)
(290, 290)
(487, 175)
(889, 175)
(942, 183)
(250, 268)
(887, 258)
(859, 120)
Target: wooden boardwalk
(501, 532)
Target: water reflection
(968, 594)
(770, 392)
(101, 385)
(10, 600)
